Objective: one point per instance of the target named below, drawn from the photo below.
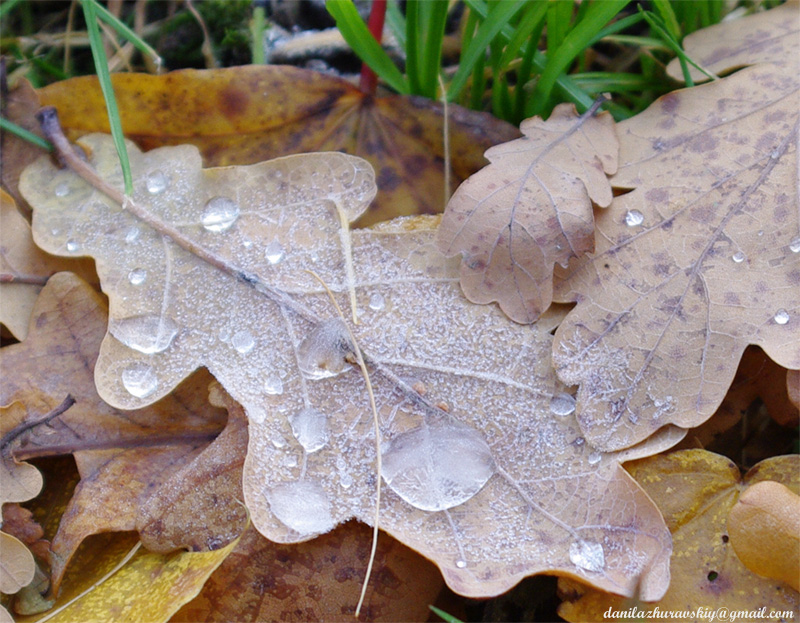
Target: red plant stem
(369, 81)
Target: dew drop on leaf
(140, 380)
(781, 316)
(148, 333)
(73, 246)
(377, 302)
(594, 457)
(794, 244)
(273, 385)
(62, 190)
(137, 276)
(438, 465)
(274, 252)
(302, 506)
(132, 234)
(562, 404)
(310, 428)
(587, 555)
(220, 214)
(322, 352)
(461, 564)
(738, 257)
(243, 342)
(156, 182)
(346, 480)
(634, 218)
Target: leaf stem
(369, 80)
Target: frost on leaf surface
(500, 486)
(530, 208)
(699, 260)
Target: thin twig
(23, 427)
(33, 280)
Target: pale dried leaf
(530, 208)
(710, 263)
(16, 564)
(19, 482)
(525, 495)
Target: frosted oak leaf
(524, 493)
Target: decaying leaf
(16, 564)
(701, 259)
(529, 209)
(764, 528)
(696, 491)
(487, 473)
(19, 481)
(244, 115)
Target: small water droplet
(278, 441)
(738, 257)
(461, 564)
(562, 404)
(594, 457)
(781, 316)
(224, 334)
(301, 506)
(156, 182)
(247, 243)
(274, 252)
(345, 480)
(794, 244)
(62, 190)
(73, 246)
(322, 352)
(243, 342)
(437, 466)
(220, 214)
(377, 302)
(137, 276)
(148, 333)
(291, 460)
(634, 218)
(273, 385)
(139, 380)
(587, 555)
(132, 234)
(310, 428)
(579, 442)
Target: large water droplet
(62, 190)
(634, 218)
(310, 428)
(220, 214)
(137, 276)
(437, 466)
(794, 244)
(73, 246)
(562, 404)
(587, 555)
(243, 342)
(274, 252)
(149, 333)
(781, 316)
(302, 506)
(156, 182)
(322, 352)
(139, 380)
(273, 385)
(738, 257)
(377, 302)
(594, 457)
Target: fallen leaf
(19, 481)
(530, 208)
(244, 115)
(701, 259)
(16, 564)
(793, 386)
(265, 328)
(764, 528)
(696, 491)
(316, 581)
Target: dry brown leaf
(19, 482)
(696, 491)
(701, 259)
(316, 581)
(16, 564)
(529, 209)
(243, 115)
(503, 463)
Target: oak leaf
(530, 209)
(706, 571)
(497, 462)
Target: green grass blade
(448, 618)
(103, 75)
(435, 17)
(359, 38)
(559, 15)
(670, 22)
(257, 27)
(413, 46)
(24, 134)
(6, 7)
(397, 23)
(123, 30)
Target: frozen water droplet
(346, 480)
(437, 466)
(291, 460)
(62, 190)
(73, 246)
(594, 457)
(243, 342)
(461, 564)
(137, 276)
(781, 316)
(131, 235)
(220, 214)
(274, 252)
(634, 218)
(302, 506)
(156, 182)
(738, 257)
(562, 404)
(587, 555)
(794, 244)
(377, 302)
(139, 380)
(278, 441)
(149, 333)
(310, 427)
(322, 352)
(247, 243)
(273, 385)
